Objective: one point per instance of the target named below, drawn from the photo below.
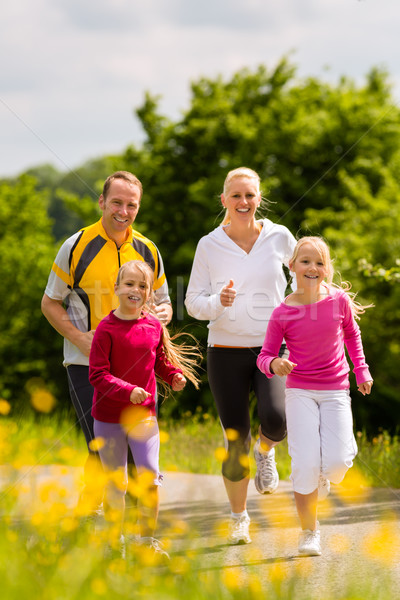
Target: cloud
(73, 71)
(106, 15)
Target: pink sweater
(316, 336)
(126, 354)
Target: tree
(312, 143)
(366, 247)
(27, 346)
(329, 161)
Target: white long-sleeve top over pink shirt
(316, 336)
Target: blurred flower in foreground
(231, 434)
(221, 454)
(280, 511)
(233, 579)
(41, 399)
(99, 587)
(353, 488)
(5, 407)
(221, 529)
(96, 444)
(277, 573)
(164, 437)
(244, 461)
(180, 565)
(383, 544)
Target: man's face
(120, 207)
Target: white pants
(320, 436)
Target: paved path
(360, 531)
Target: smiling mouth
(120, 220)
(243, 210)
(134, 298)
(311, 276)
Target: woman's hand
(281, 366)
(228, 294)
(365, 388)
(178, 382)
(138, 395)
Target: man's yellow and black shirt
(84, 273)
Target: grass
(51, 553)
(192, 445)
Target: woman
(237, 280)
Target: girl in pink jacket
(317, 322)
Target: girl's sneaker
(324, 487)
(239, 530)
(267, 478)
(116, 549)
(310, 543)
(156, 547)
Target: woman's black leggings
(232, 374)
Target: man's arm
(58, 318)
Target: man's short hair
(126, 176)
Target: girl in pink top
(317, 322)
(130, 347)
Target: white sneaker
(156, 546)
(310, 543)
(267, 478)
(239, 530)
(324, 487)
(118, 550)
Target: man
(80, 288)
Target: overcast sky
(73, 71)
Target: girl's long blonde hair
(323, 249)
(183, 356)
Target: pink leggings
(142, 438)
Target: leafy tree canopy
(328, 156)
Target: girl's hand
(178, 382)
(138, 395)
(365, 388)
(282, 366)
(228, 294)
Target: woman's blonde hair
(183, 356)
(323, 249)
(236, 174)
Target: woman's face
(242, 199)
